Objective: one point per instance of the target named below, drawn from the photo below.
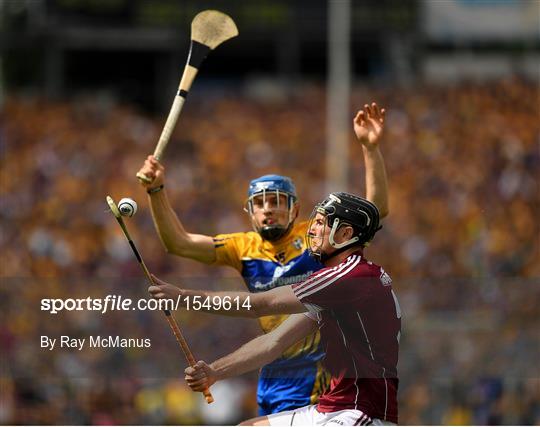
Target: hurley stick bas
(209, 29)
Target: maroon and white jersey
(360, 321)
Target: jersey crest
(385, 278)
(298, 243)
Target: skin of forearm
(250, 356)
(169, 228)
(376, 180)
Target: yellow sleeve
(229, 249)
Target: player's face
(318, 233)
(270, 209)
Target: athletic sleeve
(229, 249)
(312, 311)
(330, 288)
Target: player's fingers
(193, 388)
(362, 118)
(193, 370)
(157, 294)
(149, 164)
(151, 169)
(199, 386)
(196, 375)
(156, 164)
(375, 110)
(196, 380)
(158, 281)
(367, 110)
(148, 172)
(190, 380)
(383, 112)
(153, 289)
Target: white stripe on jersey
(354, 364)
(321, 284)
(384, 369)
(386, 392)
(323, 275)
(365, 334)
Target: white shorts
(309, 416)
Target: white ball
(127, 207)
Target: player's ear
(347, 232)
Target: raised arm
(368, 127)
(281, 300)
(254, 354)
(172, 233)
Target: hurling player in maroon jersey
(351, 301)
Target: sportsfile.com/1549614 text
(119, 303)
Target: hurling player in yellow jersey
(274, 254)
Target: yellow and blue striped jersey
(265, 265)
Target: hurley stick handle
(187, 352)
(185, 84)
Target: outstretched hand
(200, 376)
(368, 125)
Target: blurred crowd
(461, 243)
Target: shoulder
(239, 242)
(372, 273)
(240, 236)
(231, 248)
(328, 275)
(354, 266)
(366, 268)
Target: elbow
(168, 247)
(173, 242)
(172, 248)
(173, 251)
